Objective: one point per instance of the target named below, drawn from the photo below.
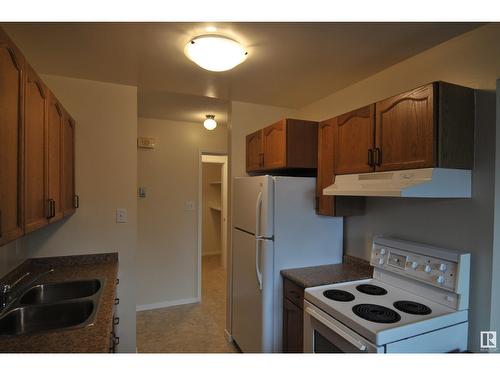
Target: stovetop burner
(412, 307)
(371, 289)
(376, 313)
(338, 295)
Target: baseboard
(160, 305)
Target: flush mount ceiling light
(215, 53)
(210, 123)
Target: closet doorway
(212, 230)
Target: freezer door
(252, 298)
(253, 204)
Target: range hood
(412, 183)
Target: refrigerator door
(252, 296)
(253, 205)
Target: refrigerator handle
(258, 210)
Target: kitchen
(444, 211)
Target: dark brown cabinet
(69, 202)
(293, 317)
(254, 154)
(37, 143)
(354, 135)
(329, 205)
(286, 145)
(11, 140)
(54, 156)
(405, 130)
(431, 126)
(36, 212)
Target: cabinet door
(405, 130)
(354, 138)
(68, 162)
(293, 325)
(54, 155)
(274, 141)
(254, 155)
(325, 205)
(11, 142)
(35, 166)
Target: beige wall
(472, 59)
(211, 219)
(11, 256)
(167, 257)
(106, 175)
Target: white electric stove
(417, 301)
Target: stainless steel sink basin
(40, 318)
(57, 292)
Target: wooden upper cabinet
(35, 170)
(11, 140)
(431, 126)
(325, 204)
(354, 137)
(329, 205)
(254, 154)
(286, 145)
(68, 162)
(405, 130)
(274, 145)
(54, 156)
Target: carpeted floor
(194, 328)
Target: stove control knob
(427, 268)
(382, 251)
(380, 261)
(440, 279)
(442, 267)
(414, 265)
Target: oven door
(324, 334)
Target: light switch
(121, 215)
(189, 206)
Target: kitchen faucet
(6, 290)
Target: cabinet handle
(76, 201)
(370, 157)
(261, 159)
(378, 156)
(51, 208)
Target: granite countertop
(351, 269)
(91, 339)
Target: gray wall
(464, 224)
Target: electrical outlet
(121, 215)
(189, 206)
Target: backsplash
(11, 256)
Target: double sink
(52, 306)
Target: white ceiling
(289, 64)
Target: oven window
(322, 345)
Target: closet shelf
(216, 208)
(215, 182)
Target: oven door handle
(336, 329)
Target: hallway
(193, 328)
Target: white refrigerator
(275, 227)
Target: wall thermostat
(143, 142)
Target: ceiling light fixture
(210, 123)
(215, 52)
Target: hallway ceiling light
(210, 123)
(215, 53)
